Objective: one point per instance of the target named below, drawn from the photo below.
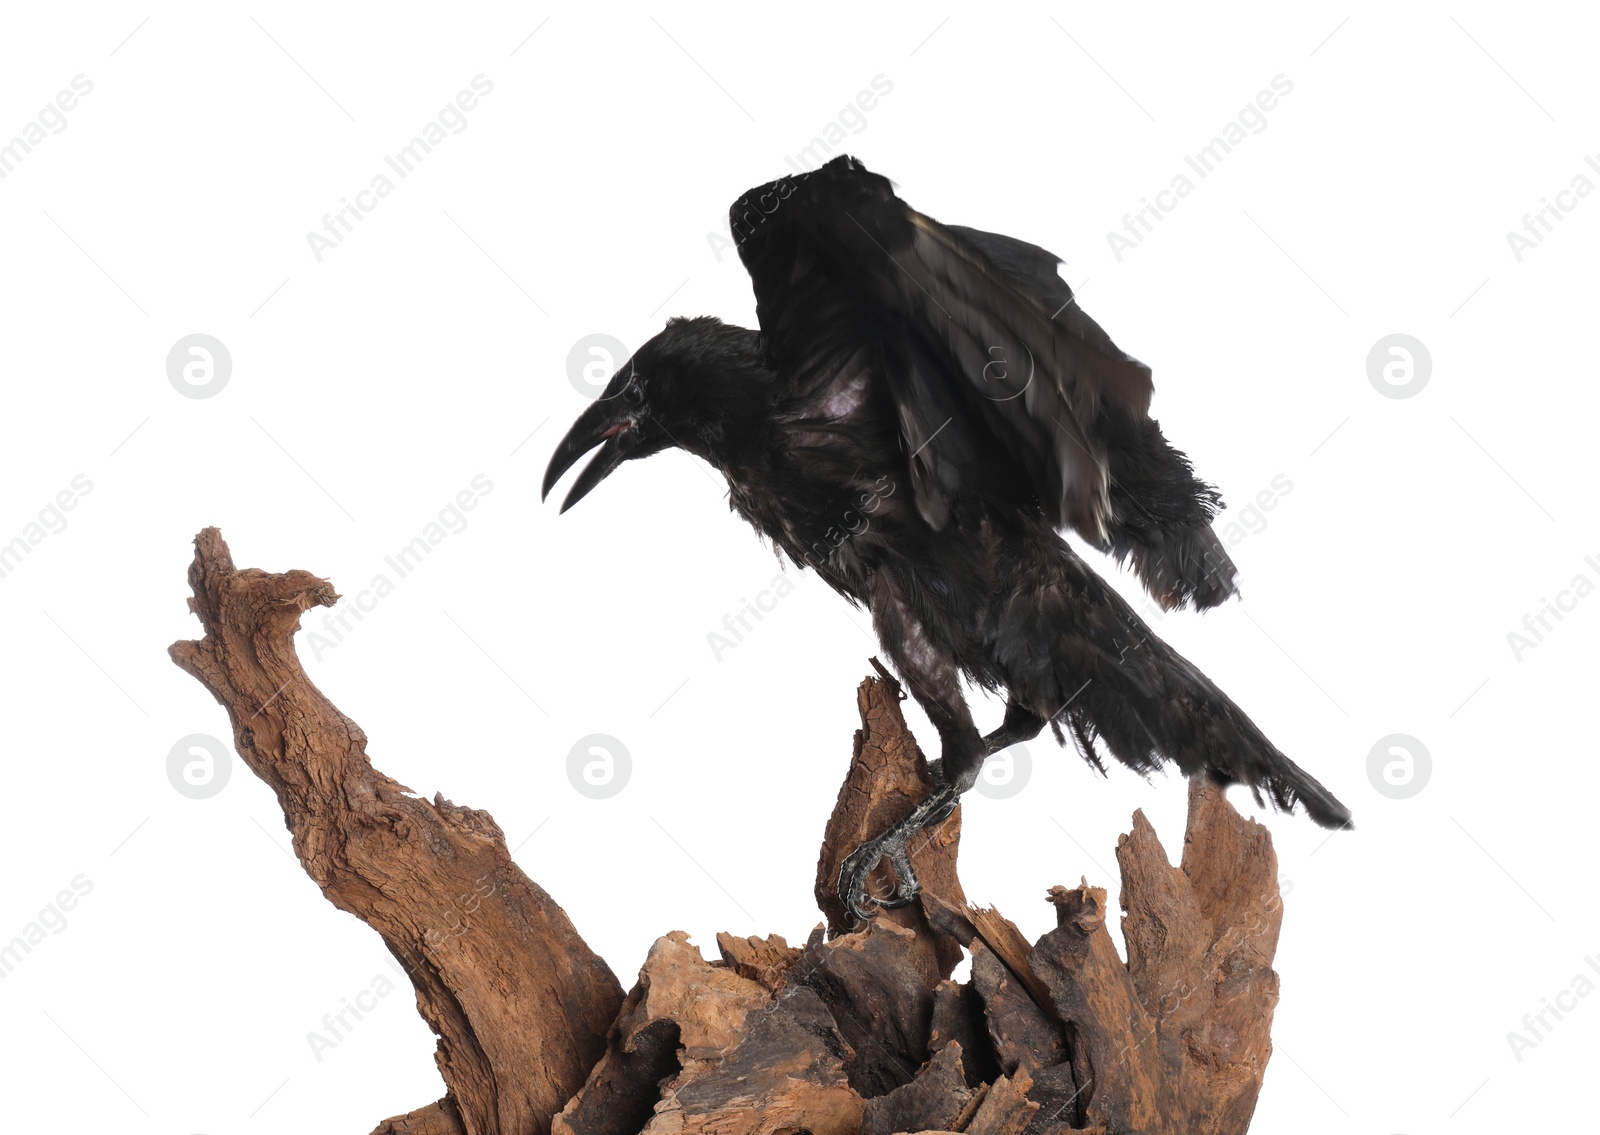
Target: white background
(369, 388)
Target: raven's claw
(905, 881)
(861, 862)
(853, 879)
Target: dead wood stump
(859, 1029)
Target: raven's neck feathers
(731, 387)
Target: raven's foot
(891, 845)
(861, 862)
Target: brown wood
(857, 1030)
(765, 960)
(438, 1118)
(936, 1099)
(888, 776)
(520, 1004)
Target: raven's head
(682, 388)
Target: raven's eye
(635, 392)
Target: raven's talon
(905, 884)
(858, 867)
(853, 874)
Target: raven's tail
(1077, 645)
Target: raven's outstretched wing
(988, 359)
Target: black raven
(923, 407)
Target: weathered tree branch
(520, 1003)
(857, 1030)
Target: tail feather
(1146, 704)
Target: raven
(924, 406)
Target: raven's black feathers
(1005, 388)
(1043, 382)
(924, 406)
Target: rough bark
(858, 1030)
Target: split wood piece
(764, 960)
(744, 1061)
(439, 1118)
(958, 1018)
(707, 1047)
(888, 776)
(939, 1098)
(519, 1002)
(877, 986)
(1177, 1040)
(1006, 1109)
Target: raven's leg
(935, 681)
(1020, 724)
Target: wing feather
(988, 358)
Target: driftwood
(858, 1029)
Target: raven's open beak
(608, 424)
